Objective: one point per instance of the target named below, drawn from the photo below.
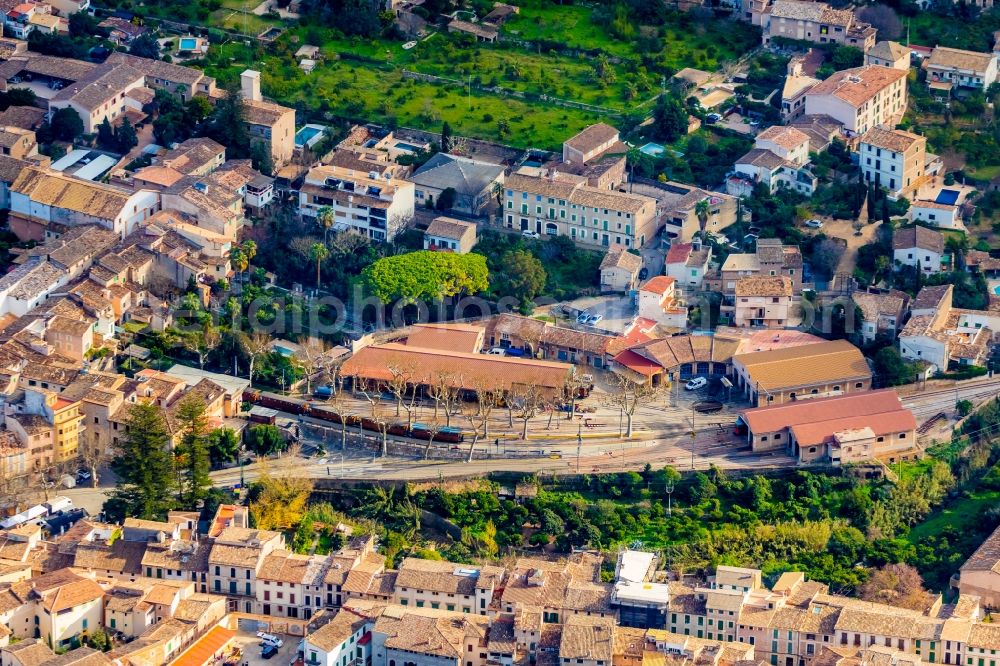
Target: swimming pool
(308, 135)
(652, 149)
(947, 197)
(407, 146)
(188, 43)
(996, 289)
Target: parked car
(713, 118)
(528, 233)
(814, 224)
(696, 383)
(582, 318)
(82, 474)
(594, 319)
(268, 650)
(270, 639)
(497, 351)
(643, 272)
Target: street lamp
(579, 446)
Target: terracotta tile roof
(262, 112)
(931, 297)
(447, 337)
(30, 652)
(619, 257)
(447, 227)
(892, 139)
(786, 137)
(822, 410)
(888, 50)
(439, 634)
(463, 369)
(858, 85)
(874, 306)
(779, 285)
(579, 193)
(592, 137)
(805, 366)
(447, 577)
(586, 637)
(679, 253)
(338, 630)
(660, 284)
(943, 57)
(290, 568)
(61, 191)
(918, 237)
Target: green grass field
(364, 78)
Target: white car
(528, 233)
(814, 224)
(270, 639)
(696, 383)
(497, 351)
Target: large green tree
(223, 445)
(426, 275)
(670, 119)
(191, 455)
(144, 465)
(523, 276)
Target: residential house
(268, 123)
(941, 335)
(62, 605)
(980, 574)
(893, 159)
(18, 143)
(44, 203)
(559, 204)
(918, 246)
(783, 375)
(882, 314)
(596, 153)
(685, 210)
(185, 82)
(450, 235)
(447, 586)
(476, 184)
(338, 640)
(235, 561)
(291, 585)
(951, 69)
(815, 22)
(376, 207)
(100, 95)
(558, 589)
(794, 89)
(122, 32)
(763, 301)
(214, 202)
(620, 269)
(941, 215)
(780, 158)
(889, 54)
(860, 98)
(688, 263)
(850, 428)
(657, 302)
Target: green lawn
(361, 91)
(962, 514)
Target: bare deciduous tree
(444, 391)
(627, 394)
(526, 400)
(372, 392)
(254, 346)
(403, 389)
(488, 396)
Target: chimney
(250, 85)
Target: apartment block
(815, 22)
(372, 205)
(555, 204)
(893, 159)
(860, 98)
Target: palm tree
(250, 249)
(325, 218)
(318, 252)
(239, 260)
(701, 210)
